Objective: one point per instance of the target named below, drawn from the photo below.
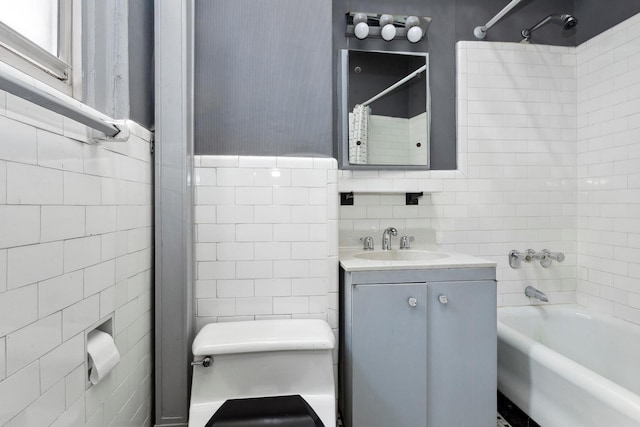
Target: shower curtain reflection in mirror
(388, 115)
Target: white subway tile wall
(609, 171)
(75, 249)
(515, 186)
(265, 238)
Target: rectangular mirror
(384, 109)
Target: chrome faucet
(386, 237)
(532, 292)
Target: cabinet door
(389, 347)
(462, 354)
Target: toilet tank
(264, 358)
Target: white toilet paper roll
(103, 355)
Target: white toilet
(241, 367)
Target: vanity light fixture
(362, 25)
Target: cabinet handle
(443, 299)
(413, 302)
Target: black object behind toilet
(280, 411)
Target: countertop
(349, 262)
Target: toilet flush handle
(206, 362)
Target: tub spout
(532, 292)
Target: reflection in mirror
(387, 108)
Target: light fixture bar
(399, 22)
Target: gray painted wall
(263, 77)
(243, 112)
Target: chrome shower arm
(567, 21)
(526, 33)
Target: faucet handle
(516, 258)
(548, 257)
(367, 243)
(405, 242)
(556, 256)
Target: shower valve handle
(556, 256)
(548, 257)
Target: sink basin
(397, 255)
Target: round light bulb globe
(359, 17)
(388, 32)
(414, 35)
(386, 19)
(411, 21)
(361, 30)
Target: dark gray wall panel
(454, 21)
(141, 73)
(229, 97)
(597, 16)
(263, 77)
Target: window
(36, 38)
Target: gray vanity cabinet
(385, 327)
(462, 354)
(418, 348)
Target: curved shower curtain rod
(395, 85)
(481, 31)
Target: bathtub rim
(617, 396)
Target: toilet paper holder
(101, 352)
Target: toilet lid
(263, 335)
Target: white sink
(400, 255)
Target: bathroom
(238, 216)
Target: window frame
(59, 72)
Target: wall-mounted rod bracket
(412, 198)
(346, 199)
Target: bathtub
(566, 366)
